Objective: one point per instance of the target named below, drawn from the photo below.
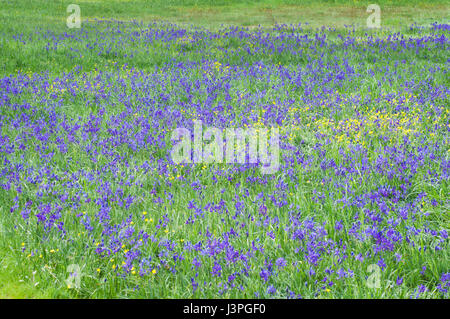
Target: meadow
(93, 206)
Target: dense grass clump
(88, 190)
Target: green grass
(26, 17)
(212, 14)
(19, 279)
(44, 277)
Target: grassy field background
(26, 14)
(25, 17)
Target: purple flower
(194, 285)
(271, 290)
(264, 274)
(280, 262)
(382, 264)
(216, 270)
